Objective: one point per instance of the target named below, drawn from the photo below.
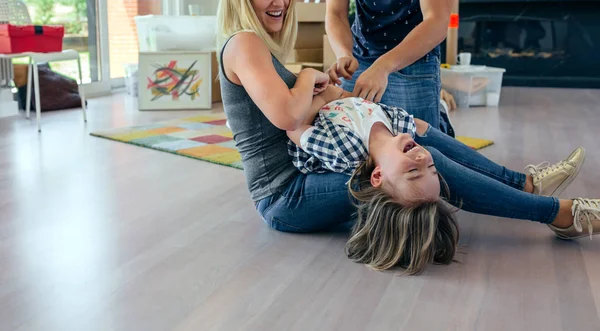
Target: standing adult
(391, 53)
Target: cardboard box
(20, 74)
(310, 12)
(306, 55)
(314, 65)
(295, 68)
(310, 35)
(329, 57)
(308, 52)
(216, 85)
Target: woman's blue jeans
(317, 202)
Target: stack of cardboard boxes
(329, 57)
(312, 47)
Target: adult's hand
(449, 99)
(321, 80)
(372, 83)
(344, 67)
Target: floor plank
(100, 235)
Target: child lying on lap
(401, 218)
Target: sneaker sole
(562, 236)
(559, 190)
(567, 238)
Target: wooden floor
(100, 235)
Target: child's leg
(477, 193)
(467, 157)
(473, 191)
(550, 180)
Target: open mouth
(275, 14)
(409, 146)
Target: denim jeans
(311, 202)
(316, 202)
(415, 88)
(481, 186)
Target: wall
(122, 32)
(123, 47)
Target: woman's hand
(344, 67)
(372, 83)
(321, 80)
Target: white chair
(6, 68)
(15, 12)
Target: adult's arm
(372, 83)
(317, 103)
(248, 62)
(422, 39)
(338, 31)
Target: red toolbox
(31, 38)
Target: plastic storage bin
(29, 38)
(158, 33)
(473, 85)
(131, 79)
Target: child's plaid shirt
(336, 147)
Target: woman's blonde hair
(235, 16)
(387, 234)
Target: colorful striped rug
(201, 137)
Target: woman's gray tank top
(267, 165)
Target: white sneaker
(586, 212)
(552, 180)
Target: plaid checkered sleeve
(329, 148)
(337, 148)
(402, 122)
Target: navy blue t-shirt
(380, 25)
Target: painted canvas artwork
(175, 81)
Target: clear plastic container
(473, 85)
(176, 33)
(131, 79)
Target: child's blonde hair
(387, 233)
(234, 16)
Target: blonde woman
(263, 101)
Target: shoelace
(544, 169)
(585, 210)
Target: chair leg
(29, 82)
(36, 86)
(81, 94)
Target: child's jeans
(316, 202)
